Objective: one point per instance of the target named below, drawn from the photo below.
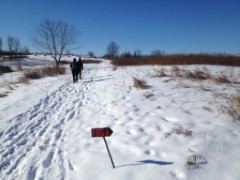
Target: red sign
(101, 132)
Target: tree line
(14, 47)
(56, 37)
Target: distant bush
(5, 69)
(179, 59)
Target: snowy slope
(45, 127)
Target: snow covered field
(174, 129)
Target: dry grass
(160, 73)
(184, 132)
(197, 74)
(221, 79)
(85, 61)
(233, 108)
(90, 61)
(180, 59)
(194, 160)
(180, 131)
(140, 84)
(39, 73)
(5, 69)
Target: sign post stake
(103, 132)
(108, 152)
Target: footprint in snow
(48, 161)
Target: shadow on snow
(161, 163)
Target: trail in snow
(36, 136)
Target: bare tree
(126, 54)
(16, 45)
(25, 50)
(54, 37)
(112, 49)
(158, 53)
(10, 42)
(91, 54)
(137, 53)
(13, 44)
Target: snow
(45, 126)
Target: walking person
(80, 67)
(74, 68)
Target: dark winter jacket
(80, 65)
(74, 67)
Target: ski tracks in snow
(32, 145)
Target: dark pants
(80, 74)
(75, 76)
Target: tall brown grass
(45, 71)
(180, 59)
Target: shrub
(5, 69)
(160, 73)
(141, 84)
(197, 74)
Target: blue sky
(174, 26)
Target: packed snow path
(51, 139)
(35, 138)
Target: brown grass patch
(86, 61)
(180, 131)
(141, 84)
(233, 108)
(180, 59)
(33, 74)
(45, 71)
(221, 79)
(91, 61)
(197, 75)
(160, 73)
